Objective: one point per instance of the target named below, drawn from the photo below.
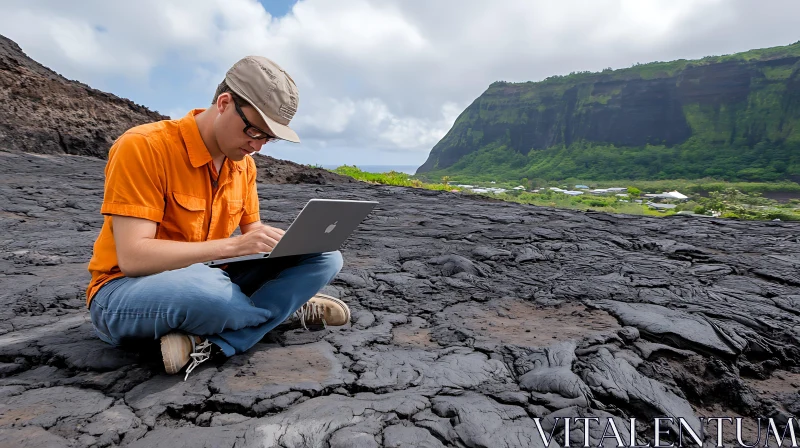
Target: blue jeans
(232, 308)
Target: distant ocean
(409, 169)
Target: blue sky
(381, 81)
(278, 8)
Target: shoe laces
(200, 353)
(312, 311)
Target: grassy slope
(741, 200)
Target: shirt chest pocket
(235, 211)
(186, 216)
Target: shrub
(596, 203)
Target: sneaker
(177, 349)
(324, 310)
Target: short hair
(224, 88)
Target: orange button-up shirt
(163, 172)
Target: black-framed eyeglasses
(252, 131)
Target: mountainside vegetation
(733, 117)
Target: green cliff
(734, 117)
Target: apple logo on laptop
(330, 228)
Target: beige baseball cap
(269, 89)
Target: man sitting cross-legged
(175, 192)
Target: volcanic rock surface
(43, 112)
(277, 171)
(471, 319)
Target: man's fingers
(272, 233)
(272, 243)
(280, 232)
(262, 247)
(268, 240)
(260, 241)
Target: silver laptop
(322, 226)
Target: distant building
(489, 190)
(677, 195)
(617, 189)
(581, 187)
(668, 195)
(556, 189)
(519, 188)
(573, 193)
(657, 206)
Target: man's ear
(224, 100)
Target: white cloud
(74, 45)
(413, 133)
(328, 115)
(379, 80)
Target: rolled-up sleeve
(251, 212)
(135, 179)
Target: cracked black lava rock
(472, 320)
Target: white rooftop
(677, 195)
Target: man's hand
(259, 238)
